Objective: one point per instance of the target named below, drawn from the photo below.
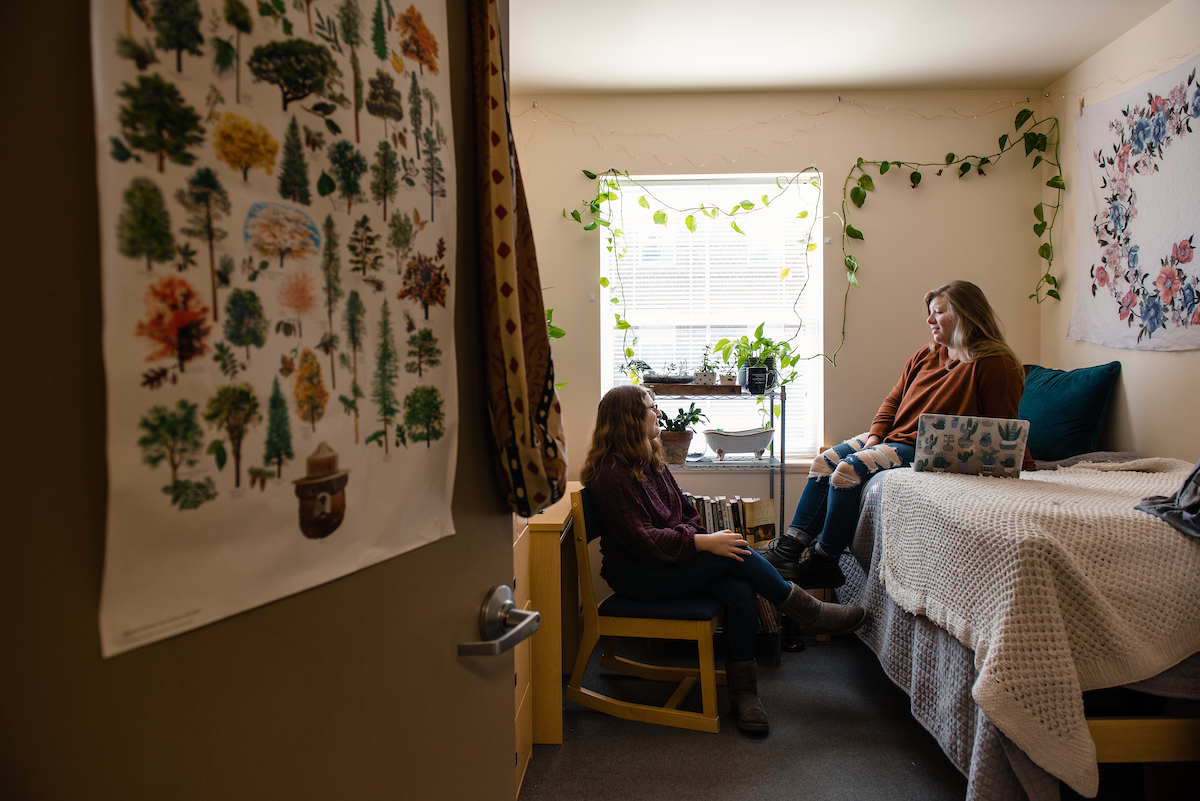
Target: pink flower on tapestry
(1101, 276)
(1182, 252)
(1158, 104)
(1123, 157)
(1127, 304)
(1168, 283)
(1195, 317)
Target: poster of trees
(277, 212)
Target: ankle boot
(783, 553)
(818, 617)
(816, 570)
(742, 681)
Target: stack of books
(753, 518)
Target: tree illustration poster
(277, 215)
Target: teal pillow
(1066, 409)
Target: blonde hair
(620, 433)
(978, 332)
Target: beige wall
(977, 228)
(1154, 405)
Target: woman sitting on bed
(967, 369)
(654, 547)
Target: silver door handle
(501, 624)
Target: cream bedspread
(1066, 587)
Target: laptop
(987, 446)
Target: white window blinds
(683, 290)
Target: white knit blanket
(1055, 582)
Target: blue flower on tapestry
(1187, 299)
(1152, 315)
(1132, 258)
(1195, 112)
(1158, 127)
(1141, 129)
(1116, 213)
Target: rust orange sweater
(932, 383)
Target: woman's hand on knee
(723, 543)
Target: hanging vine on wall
(1033, 139)
(601, 213)
(606, 207)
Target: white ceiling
(726, 45)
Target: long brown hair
(620, 433)
(978, 333)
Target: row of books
(753, 518)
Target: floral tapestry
(1137, 282)
(277, 217)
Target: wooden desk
(553, 592)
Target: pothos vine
(612, 185)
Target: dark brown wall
(325, 694)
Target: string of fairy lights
(580, 129)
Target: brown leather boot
(819, 617)
(742, 681)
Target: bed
(995, 603)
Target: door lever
(501, 624)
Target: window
(683, 290)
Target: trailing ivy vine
(605, 210)
(1036, 139)
(600, 212)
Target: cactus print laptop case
(987, 446)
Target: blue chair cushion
(697, 608)
(1066, 409)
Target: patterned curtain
(525, 412)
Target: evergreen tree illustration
(144, 227)
(207, 202)
(383, 176)
(279, 431)
(331, 269)
(415, 111)
(354, 325)
(245, 322)
(423, 415)
(379, 32)
(177, 23)
(293, 173)
(156, 119)
(387, 372)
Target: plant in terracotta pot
(677, 435)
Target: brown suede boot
(742, 681)
(818, 617)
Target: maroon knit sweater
(646, 520)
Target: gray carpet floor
(840, 729)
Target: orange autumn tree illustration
(425, 279)
(417, 41)
(310, 392)
(176, 321)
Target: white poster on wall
(1137, 281)
(277, 216)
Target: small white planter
(729, 379)
(754, 441)
(704, 379)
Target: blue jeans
(830, 512)
(731, 582)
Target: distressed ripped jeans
(829, 506)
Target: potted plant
(677, 436)
(707, 374)
(762, 352)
